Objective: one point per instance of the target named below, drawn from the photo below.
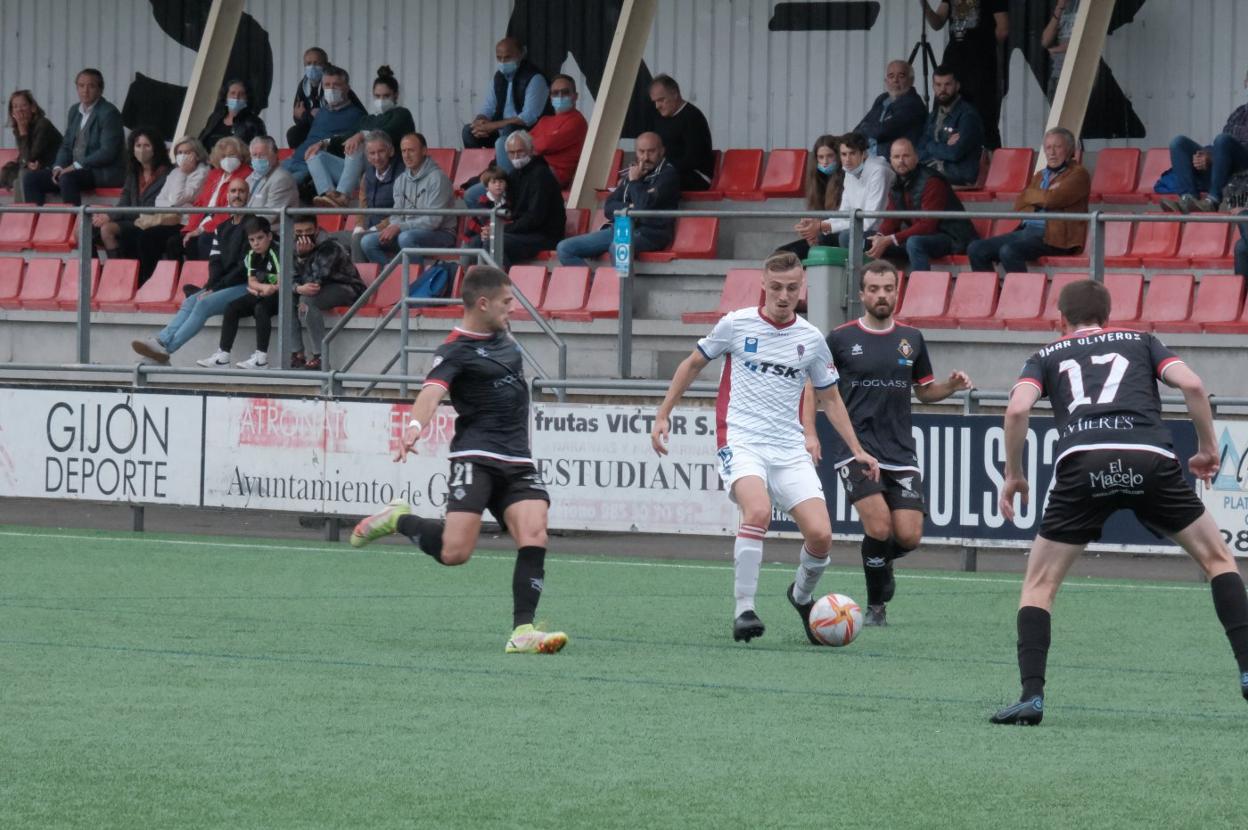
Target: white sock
(809, 569)
(747, 556)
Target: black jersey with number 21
(1103, 387)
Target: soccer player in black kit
(1113, 453)
(880, 361)
(481, 366)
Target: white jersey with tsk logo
(760, 390)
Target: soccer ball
(835, 620)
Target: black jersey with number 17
(485, 376)
(1103, 387)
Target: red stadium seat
(603, 301)
(1169, 299)
(449, 311)
(973, 300)
(443, 157)
(67, 297)
(55, 232)
(285, 153)
(108, 192)
(697, 237)
(1008, 175)
(1115, 173)
(927, 295)
(472, 163)
(391, 290)
(529, 280)
(575, 223)
(739, 174)
(1218, 299)
(1156, 162)
(118, 281)
(1049, 318)
(1126, 291)
(567, 290)
(1151, 242)
(1201, 245)
(194, 273)
(331, 222)
(7, 154)
(706, 195)
(784, 177)
(1022, 298)
(16, 230)
(1117, 244)
(980, 178)
(11, 268)
(1234, 325)
(41, 283)
(157, 293)
(743, 288)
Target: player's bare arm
(684, 377)
(1017, 415)
(957, 381)
(834, 407)
(808, 423)
(1206, 462)
(422, 412)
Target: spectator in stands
(1061, 187)
(685, 134)
(423, 185)
(919, 188)
(898, 112)
(1056, 37)
(325, 278)
(92, 153)
(825, 183)
(559, 138)
(230, 160)
(868, 180)
(650, 183)
(336, 172)
(233, 115)
(36, 137)
(537, 214)
(147, 167)
(308, 95)
(337, 119)
(515, 100)
(226, 281)
(1199, 168)
(1241, 248)
(384, 168)
(271, 186)
(976, 52)
(953, 137)
(260, 265)
(477, 228)
(182, 185)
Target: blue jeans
(194, 312)
(1013, 250)
(1241, 251)
(1229, 157)
(382, 252)
(575, 250)
(332, 173)
(920, 250)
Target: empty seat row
(52, 232)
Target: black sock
(896, 551)
(426, 533)
(526, 583)
(874, 562)
(1034, 626)
(1231, 603)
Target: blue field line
(813, 694)
(268, 547)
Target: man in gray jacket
(93, 152)
(422, 185)
(271, 185)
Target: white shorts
(789, 475)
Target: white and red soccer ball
(835, 620)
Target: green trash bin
(827, 289)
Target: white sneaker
(258, 360)
(219, 358)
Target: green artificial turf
(153, 681)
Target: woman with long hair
(37, 140)
(825, 182)
(147, 167)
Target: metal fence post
(84, 285)
(496, 237)
(857, 239)
(1098, 247)
(626, 294)
(285, 290)
(404, 322)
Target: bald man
(898, 113)
(515, 100)
(649, 183)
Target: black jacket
(904, 119)
(328, 263)
(687, 146)
(536, 202)
(225, 260)
(925, 189)
(247, 125)
(658, 190)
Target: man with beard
(953, 137)
(879, 361)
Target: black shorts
(477, 484)
(902, 489)
(1094, 484)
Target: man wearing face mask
(271, 186)
(650, 183)
(92, 152)
(559, 138)
(307, 95)
(867, 182)
(536, 203)
(339, 116)
(514, 101)
(325, 278)
(421, 186)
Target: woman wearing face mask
(824, 182)
(182, 185)
(337, 169)
(147, 167)
(234, 116)
(230, 160)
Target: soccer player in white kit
(763, 448)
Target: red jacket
(205, 195)
(558, 139)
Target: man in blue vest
(515, 100)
